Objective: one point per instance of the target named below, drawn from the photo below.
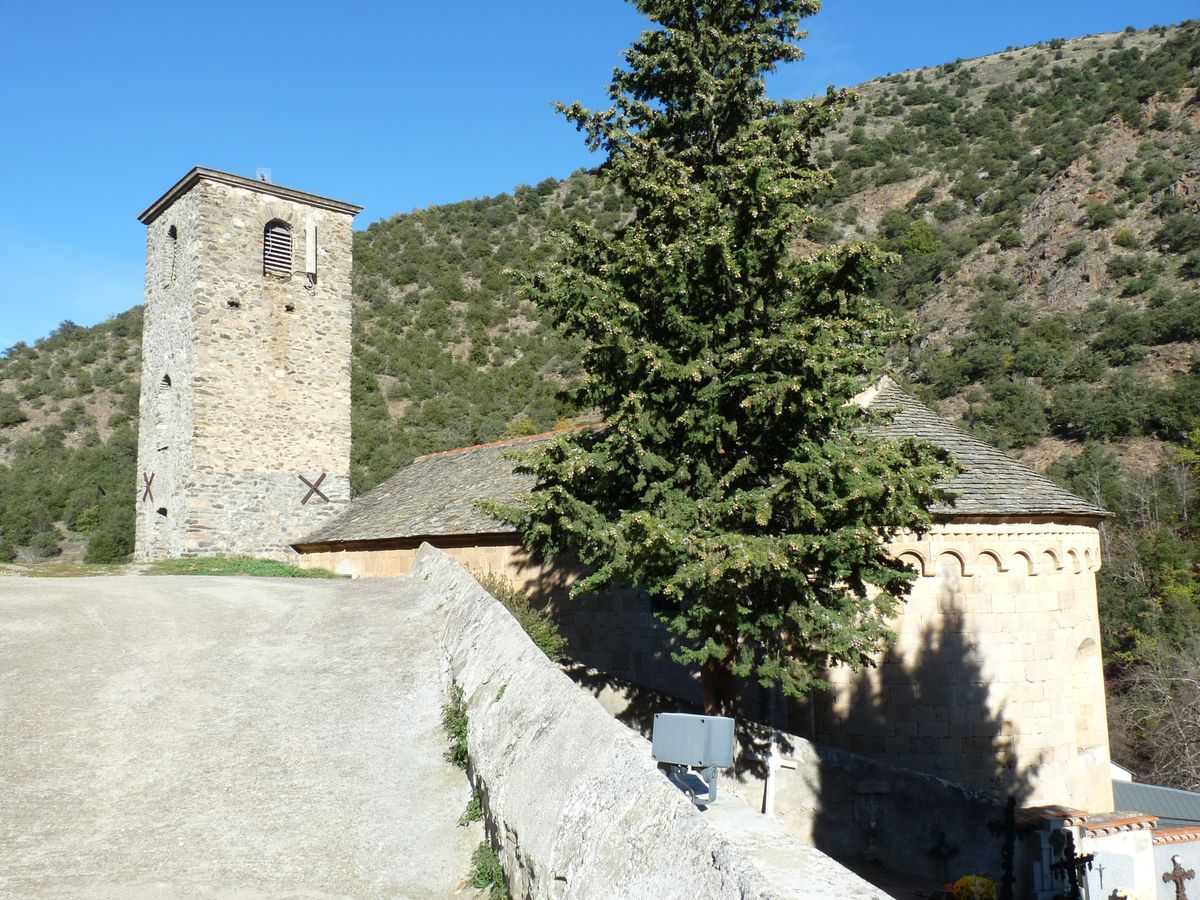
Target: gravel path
(224, 737)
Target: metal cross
(1179, 875)
(147, 494)
(1008, 829)
(314, 487)
(1070, 865)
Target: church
(995, 680)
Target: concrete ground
(224, 737)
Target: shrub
(1009, 239)
(473, 812)
(87, 520)
(1119, 409)
(1180, 233)
(1013, 415)
(1139, 284)
(1072, 251)
(1125, 265)
(111, 542)
(44, 544)
(820, 231)
(454, 723)
(1125, 238)
(487, 873)
(1190, 267)
(7, 552)
(946, 211)
(537, 622)
(1099, 215)
(10, 410)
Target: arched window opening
(277, 248)
(162, 511)
(166, 382)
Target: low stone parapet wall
(573, 798)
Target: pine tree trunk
(718, 689)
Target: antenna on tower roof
(263, 175)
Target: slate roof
(994, 484)
(434, 495)
(1172, 806)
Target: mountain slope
(1043, 203)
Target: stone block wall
(261, 389)
(995, 679)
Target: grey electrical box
(686, 740)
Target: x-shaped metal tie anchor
(314, 487)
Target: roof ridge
(509, 441)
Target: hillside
(1044, 206)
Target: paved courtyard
(224, 737)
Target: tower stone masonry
(244, 434)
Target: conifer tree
(734, 481)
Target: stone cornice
(199, 173)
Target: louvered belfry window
(277, 248)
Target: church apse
(995, 678)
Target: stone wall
(168, 354)
(573, 798)
(260, 390)
(995, 679)
(848, 806)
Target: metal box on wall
(688, 740)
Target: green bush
(1072, 251)
(946, 211)
(1176, 319)
(7, 552)
(537, 622)
(1009, 239)
(1126, 238)
(487, 873)
(1119, 409)
(44, 544)
(87, 520)
(111, 542)
(1100, 215)
(1013, 414)
(10, 410)
(454, 723)
(1190, 267)
(1180, 233)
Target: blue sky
(393, 106)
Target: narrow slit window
(173, 234)
(277, 248)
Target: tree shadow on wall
(931, 714)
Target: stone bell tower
(244, 435)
